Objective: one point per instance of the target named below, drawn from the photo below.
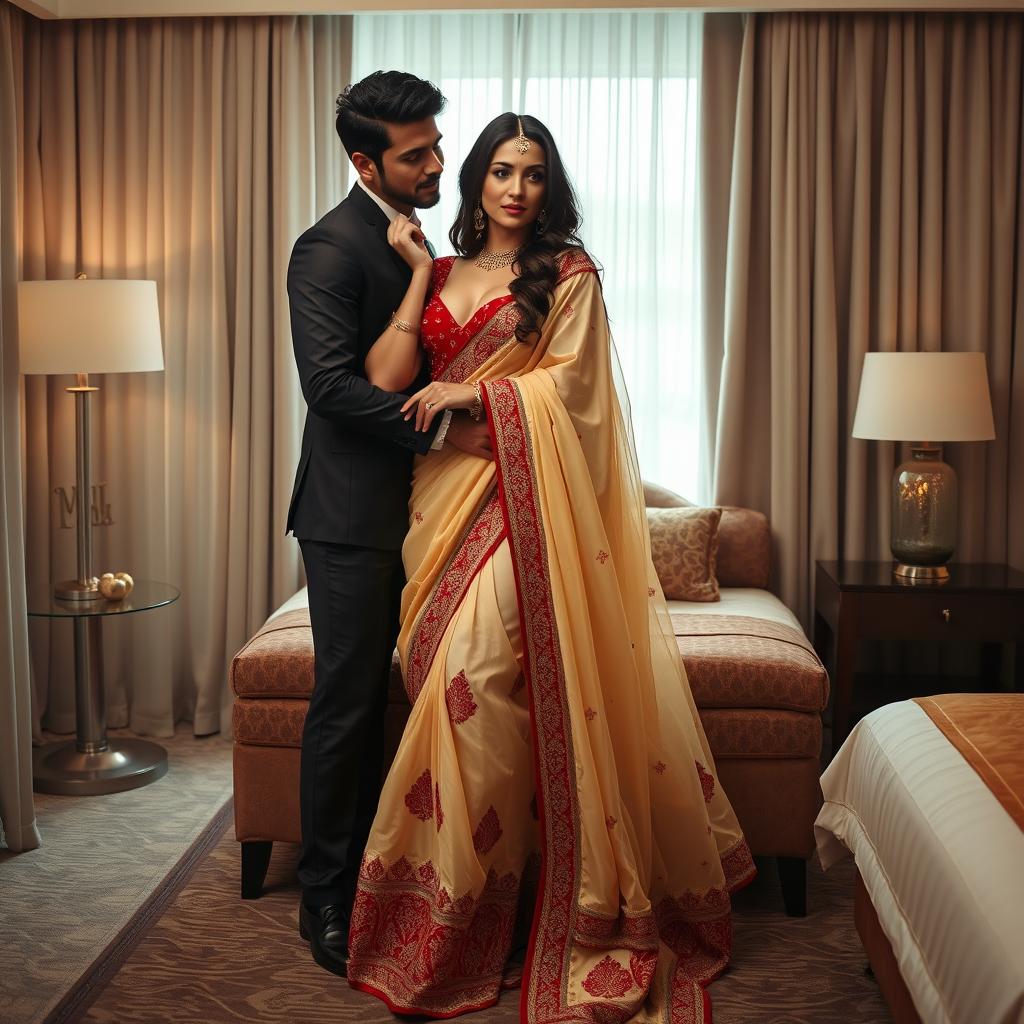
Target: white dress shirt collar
(389, 211)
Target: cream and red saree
(553, 778)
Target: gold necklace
(496, 260)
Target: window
(621, 95)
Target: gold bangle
(401, 325)
(476, 410)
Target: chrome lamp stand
(92, 763)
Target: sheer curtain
(621, 94)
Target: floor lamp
(81, 327)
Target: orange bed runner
(987, 729)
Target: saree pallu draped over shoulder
(554, 788)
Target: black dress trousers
(354, 601)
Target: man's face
(412, 166)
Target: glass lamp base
(928, 575)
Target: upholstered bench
(758, 685)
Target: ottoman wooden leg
(793, 876)
(255, 861)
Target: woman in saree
(553, 778)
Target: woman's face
(515, 186)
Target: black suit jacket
(353, 479)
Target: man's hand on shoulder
(469, 436)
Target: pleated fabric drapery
(192, 152)
(17, 816)
(872, 199)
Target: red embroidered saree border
(697, 928)
(480, 541)
(547, 961)
(499, 330)
(412, 935)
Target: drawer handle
(946, 615)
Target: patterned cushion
(744, 549)
(684, 546)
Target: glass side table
(93, 763)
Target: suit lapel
(378, 220)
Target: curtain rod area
(78, 9)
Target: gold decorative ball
(128, 581)
(112, 588)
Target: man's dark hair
(365, 108)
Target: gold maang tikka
(521, 142)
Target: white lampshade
(88, 327)
(924, 396)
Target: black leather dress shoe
(326, 931)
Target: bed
(939, 853)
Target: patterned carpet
(101, 858)
(213, 958)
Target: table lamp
(84, 327)
(924, 397)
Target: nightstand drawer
(914, 612)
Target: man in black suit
(350, 503)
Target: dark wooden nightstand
(856, 601)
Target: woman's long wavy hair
(537, 262)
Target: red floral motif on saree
(642, 966)
(415, 946)
(660, 767)
(488, 832)
(420, 799)
(438, 815)
(482, 537)
(608, 980)
(707, 782)
(459, 698)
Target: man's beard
(423, 198)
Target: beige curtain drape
(875, 183)
(192, 152)
(17, 817)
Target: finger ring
(430, 405)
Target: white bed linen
(941, 859)
(300, 599)
(761, 604)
